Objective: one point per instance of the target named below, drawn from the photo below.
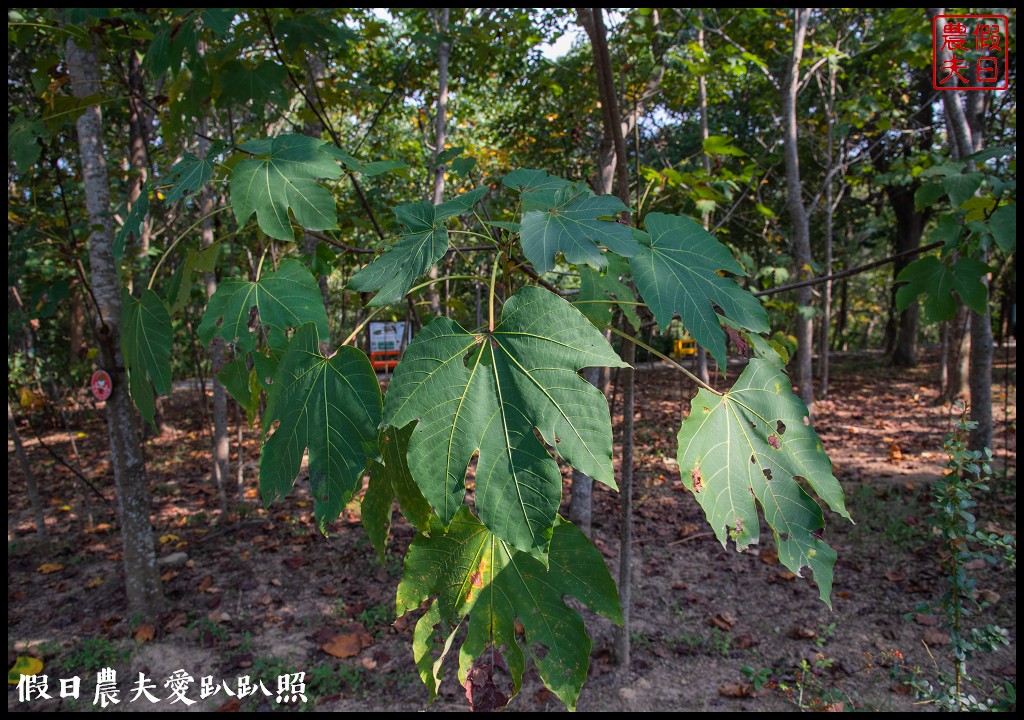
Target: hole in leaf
(780, 427)
(753, 425)
(807, 420)
(753, 460)
(819, 533)
(539, 651)
(783, 537)
(767, 473)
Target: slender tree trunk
(967, 129)
(593, 22)
(798, 211)
(943, 359)
(26, 470)
(221, 469)
(841, 321)
(76, 324)
(909, 229)
(312, 128)
(444, 51)
(581, 497)
(138, 131)
(622, 634)
(702, 100)
(142, 579)
(830, 211)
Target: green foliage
(281, 177)
(146, 348)
(485, 393)
(187, 175)
(330, 406)
(598, 290)
(423, 242)
(931, 277)
(676, 272)
(755, 443)
(473, 573)
(955, 522)
(573, 225)
(132, 223)
(282, 300)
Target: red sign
(970, 52)
(101, 385)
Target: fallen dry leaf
(895, 576)
(144, 633)
(737, 690)
(724, 621)
(205, 584)
(934, 636)
(47, 568)
(922, 619)
(770, 557)
(801, 633)
(231, 705)
(346, 646)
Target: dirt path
(263, 595)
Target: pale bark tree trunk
(221, 469)
(26, 469)
(311, 128)
(702, 100)
(824, 348)
(622, 634)
(139, 141)
(444, 51)
(967, 129)
(801, 240)
(142, 579)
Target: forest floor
(262, 593)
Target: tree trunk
(76, 324)
(139, 141)
(967, 129)
(444, 51)
(581, 497)
(909, 230)
(221, 468)
(798, 211)
(702, 101)
(142, 579)
(26, 470)
(622, 634)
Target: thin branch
(851, 271)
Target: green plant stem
(181, 235)
(490, 299)
(259, 267)
(661, 355)
(488, 238)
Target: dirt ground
(262, 593)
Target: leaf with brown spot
(482, 683)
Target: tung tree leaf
(188, 175)
(473, 573)
(146, 348)
(574, 227)
(330, 406)
(487, 392)
(676, 271)
(930, 277)
(241, 383)
(242, 81)
(1003, 224)
(424, 241)
(755, 445)
(284, 299)
(285, 179)
(537, 188)
(390, 477)
(180, 286)
(962, 187)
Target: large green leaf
(487, 392)
(424, 241)
(146, 348)
(284, 299)
(676, 271)
(285, 179)
(330, 406)
(473, 572)
(574, 227)
(187, 175)
(962, 187)
(180, 286)
(390, 477)
(755, 444)
(537, 188)
(930, 277)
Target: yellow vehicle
(684, 347)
